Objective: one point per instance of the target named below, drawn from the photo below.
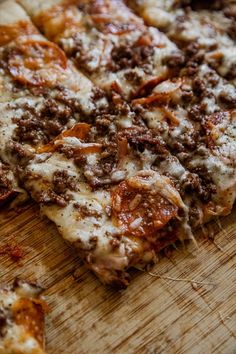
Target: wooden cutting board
(154, 315)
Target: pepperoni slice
(80, 131)
(140, 212)
(37, 63)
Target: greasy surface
(152, 316)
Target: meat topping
(126, 57)
(38, 126)
(62, 181)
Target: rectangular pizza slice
(112, 45)
(41, 91)
(207, 27)
(196, 117)
(22, 319)
(113, 194)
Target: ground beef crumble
(129, 57)
(40, 125)
(58, 193)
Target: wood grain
(154, 315)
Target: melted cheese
(155, 13)
(154, 182)
(205, 27)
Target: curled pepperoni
(37, 63)
(80, 131)
(140, 212)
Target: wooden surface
(154, 315)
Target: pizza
(22, 319)
(108, 42)
(208, 28)
(95, 161)
(118, 118)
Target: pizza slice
(195, 116)
(22, 319)
(199, 27)
(114, 195)
(107, 41)
(41, 92)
